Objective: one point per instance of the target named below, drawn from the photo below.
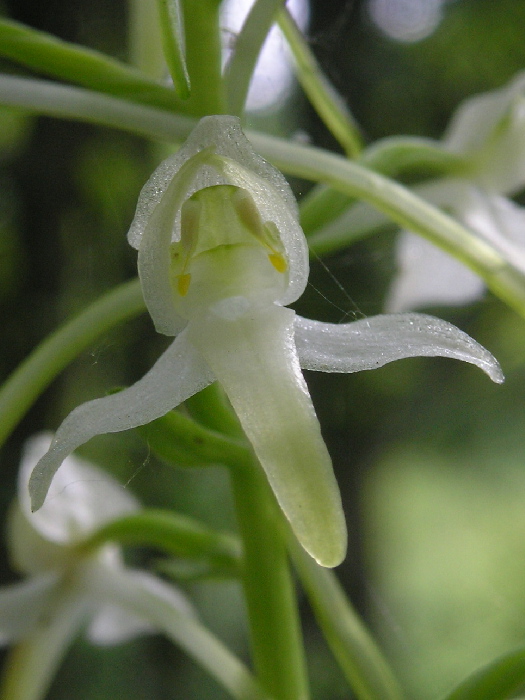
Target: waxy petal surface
(255, 361)
(373, 342)
(158, 217)
(178, 374)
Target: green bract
(220, 255)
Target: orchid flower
(488, 130)
(220, 256)
(66, 587)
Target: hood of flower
(260, 204)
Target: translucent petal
(80, 499)
(491, 128)
(225, 135)
(373, 342)
(254, 358)
(30, 552)
(183, 629)
(178, 374)
(22, 605)
(498, 220)
(428, 276)
(154, 259)
(114, 624)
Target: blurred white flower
(488, 130)
(66, 588)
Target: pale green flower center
(228, 259)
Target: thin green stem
(33, 662)
(321, 206)
(398, 155)
(48, 55)
(246, 51)
(393, 157)
(180, 440)
(79, 104)
(144, 39)
(402, 206)
(183, 629)
(174, 45)
(353, 646)
(30, 378)
(272, 608)
(203, 57)
(325, 99)
(173, 533)
(212, 408)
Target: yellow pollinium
(183, 283)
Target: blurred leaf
(49, 55)
(500, 680)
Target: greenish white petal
(373, 342)
(216, 153)
(115, 624)
(253, 356)
(81, 498)
(178, 374)
(490, 128)
(23, 605)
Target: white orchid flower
(221, 254)
(488, 130)
(64, 587)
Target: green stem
(144, 39)
(48, 55)
(212, 408)
(248, 46)
(320, 206)
(173, 42)
(357, 653)
(173, 533)
(272, 609)
(184, 630)
(326, 101)
(38, 370)
(33, 662)
(268, 587)
(402, 206)
(182, 441)
(203, 57)
(79, 104)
